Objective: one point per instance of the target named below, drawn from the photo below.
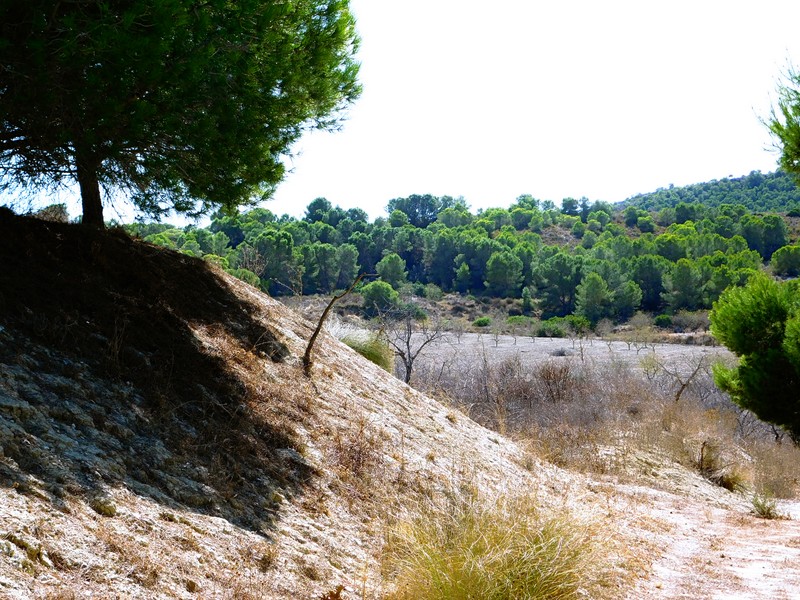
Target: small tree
(184, 105)
(527, 300)
(503, 274)
(307, 356)
(409, 335)
(379, 297)
(392, 270)
(594, 300)
(760, 323)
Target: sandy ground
(455, 350)
(707, 551)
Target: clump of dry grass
(373, 348)
(765, 506)
(712, 464)
(466, 546)
(358, 454)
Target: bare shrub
(691, 321)
(555, 382)
(713, 464)
(775, 467)
(594, 417)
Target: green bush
(663, 321)
(519, 320)
(467, 548)
(553, 327)
(246, 276)
(373, 348)
(482, 322)
(433, 292)
(379, 297)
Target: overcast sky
(603, 99)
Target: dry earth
(459, 352)
(283, 488)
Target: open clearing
(462, 352)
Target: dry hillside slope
(158, 440)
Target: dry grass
(465, 546)
(765, 506)
(358, 453)
(373, 348)
(594, 417)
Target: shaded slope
(103, 320)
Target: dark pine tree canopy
(180, 104)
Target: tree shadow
(104, 383)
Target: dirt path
(703, 551)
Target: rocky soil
(158, 440)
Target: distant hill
(759, 192)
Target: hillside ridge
(146, 395)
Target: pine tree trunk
(90, 194)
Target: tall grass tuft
(466, 548)
(373, 348)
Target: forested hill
(759, 192)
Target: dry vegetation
(597, 409)
(158, 440)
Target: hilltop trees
(182, 105)
(682, 267)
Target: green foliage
(392, 270)
(594, 300)
(527, 301)
(579, 324)
(246, 276)
(503, 274)
(482, 322)
(433, 292)
(379, 297)
(557, 279)
(519, 320)
(683, 286)
(421, 211)
(491, 253)
(645, 224)
(761, 325)
(553, 327)
(755, 192)
(663, 321)
(786, 261)
(182, 105)
(627, 300)
(648, 273)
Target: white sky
(603, 99)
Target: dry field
(462, 351)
